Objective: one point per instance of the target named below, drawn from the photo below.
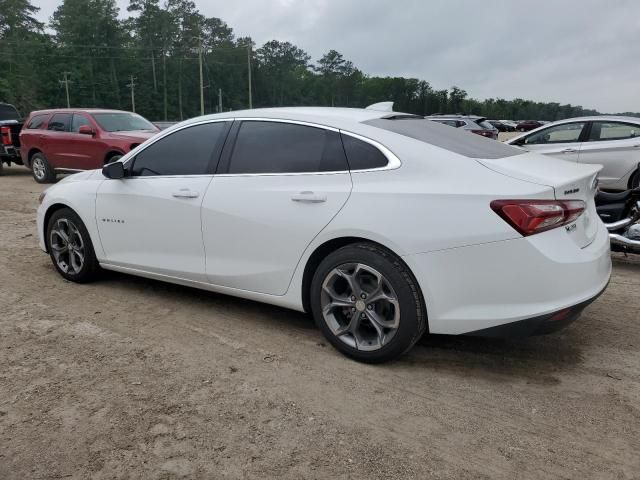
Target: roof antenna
(381, 107)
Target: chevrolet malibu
(381, 225)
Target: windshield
(485, 124)
(8, 112)
(122, 122)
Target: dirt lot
(131, 378)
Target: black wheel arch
(47, 216)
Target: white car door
(280, 184)
(561, 141)
(615, 146)
(150, 220)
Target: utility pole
(132, 85)
(66, 86)
(249, 71)
(220, 100)
(201, 80)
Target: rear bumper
(541, 325)
(514, 286)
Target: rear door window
(60, 122)
(263, 147)
(604, 131)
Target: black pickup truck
(10, 126)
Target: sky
(583, 52)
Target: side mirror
(113, 170)
(86, 130)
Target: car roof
(72, 110)
(593, 118)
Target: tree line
(157, 49)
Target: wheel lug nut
(363, 316)
(370, 307)
(353, 298)
(353, 309)
(363, 296)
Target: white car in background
(381, 225)
(610, 141)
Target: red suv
(69, 140)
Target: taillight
(534, 216)
(6, 135)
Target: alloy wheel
(67, 246)
(360, 306)
(38, 168)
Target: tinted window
(60, 122)
(565, 133)
(185, 152)
(122, 122)
(602, 131)
(8, 112)
(37, 121)
(275, 147)
(362, 155)
(452, 139)
(78, 121)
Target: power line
(66, 86)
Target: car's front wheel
(367, 303)
(70, 247)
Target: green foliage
(159, 46)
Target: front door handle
(185, 193)
(569, 150)
(308, 197)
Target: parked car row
(474, 124)
(610, 141)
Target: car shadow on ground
(16, 171)
(533, 359)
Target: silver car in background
(471, 123)
(610, 141)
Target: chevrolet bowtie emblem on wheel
(112, 220)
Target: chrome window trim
(393, 161)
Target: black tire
(90, 267)
(635, 180)
(1, 167)
(114, 157)
(413, 316)
(41, 169)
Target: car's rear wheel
(367, 303)
(41, 169)
(70, 247)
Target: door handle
(308, 197)
(569, 150)
(185, 193)
(637, 145)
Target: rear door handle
(185, 193)
(637, 145)
(569, 150)
(308, 197)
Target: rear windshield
(8, 112)
(485, 124)
(122, 122)
(453, 139)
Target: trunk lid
(569, 180)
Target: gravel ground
(132, 378)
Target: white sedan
(610, 141)
(381, 225)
